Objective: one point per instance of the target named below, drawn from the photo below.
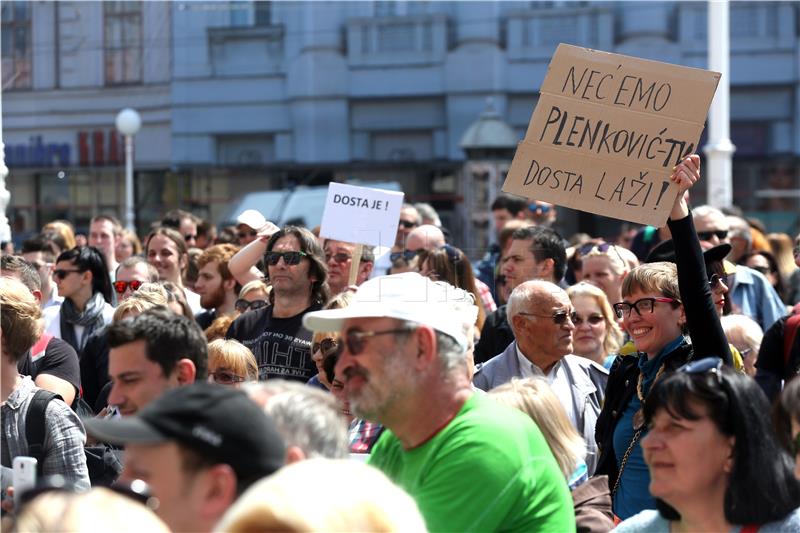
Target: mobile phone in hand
(23, 477)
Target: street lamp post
(128, 123)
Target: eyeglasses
(407, 224)
(122, 286)
(243, 305)
(706, 235)
(245, 234)
(289, 258)
(341, 257)
(407, 255)
(61, 273)
(744, 353)
(643, 305)
(223, 377)
(701, 366)
(591, 319)
(716, 279)
(558, 318)
(354, 339)
(326, 346)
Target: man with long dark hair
(275, 333)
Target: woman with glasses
(660, 301)
(597, 335)
(325, 345)
(253, 295)
(714, 461)
(230, 363)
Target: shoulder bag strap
(35, 425)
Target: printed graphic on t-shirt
(281, 355)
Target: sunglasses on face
(706, 235)
(407, 224)
(355, 339)
(716, 279)
(591, 319)
(245, 234)
(223, 377)
(243, 305)
(644, 305)
(341, 257)
(325, 346)
(61, 273)
(702, 366)
(289, 258)
(406, 255)
(122, 286)
(559, 317)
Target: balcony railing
(419, 39)
(535, 34)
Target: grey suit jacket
(588, 383)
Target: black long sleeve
(708, 337)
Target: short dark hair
(172, 219)
(117, 225)
(309, 245)
(28, 274)
(89, 258)
(513, 204)
(40, 243)
(545, 244)
(168, 337)
(761, 486)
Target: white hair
(742, 328)
(525, 292)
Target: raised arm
(242, 265)
(708, 337)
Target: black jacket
(496, 335)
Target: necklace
(638, 416)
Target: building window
(16, 45)
(123, 42)
(257, 13)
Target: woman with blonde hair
(65, 232)
(591, 496)
(347, 496)
(129, 245)
(597, 334)
(231, 363)
(253, 295)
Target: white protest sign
(361, 215)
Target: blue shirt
(756, 298)
(633, 492)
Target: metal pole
(719, 150)
(5, 195)
(130, 223)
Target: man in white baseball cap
(468, 462)
(248, 224)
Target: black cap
(217, 422)
(665, 251)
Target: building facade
(243, 96)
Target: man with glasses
(469, 463)
(104, 234)
(540, 314)
(535, 253)
(275, 333)
(215, 284)
(38, 252)
(751, 293)
(131, 273)
(184, 223)
(247, 226)
(339, 258)
(409, 219)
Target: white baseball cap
(251, 218)
(407, 296)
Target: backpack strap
(35, 425)
(789, 334)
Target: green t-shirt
(489, 469)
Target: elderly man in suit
(540, 315)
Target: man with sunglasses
(184, 223)
(339, 258)
(38, 251)
(409, 219)
(215, 284)
(275, 333)
(131, 273)
(751, 293)
(540, 314)
(470, 463)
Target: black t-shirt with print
(282, 346)
(58, 359)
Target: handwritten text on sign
(361, 215)
(607, 131)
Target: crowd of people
(257, 378)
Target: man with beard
(470, 463)
(275, 333)
(215, 284)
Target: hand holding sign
(607, 131)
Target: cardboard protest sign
(607, 131)
(361, 215)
